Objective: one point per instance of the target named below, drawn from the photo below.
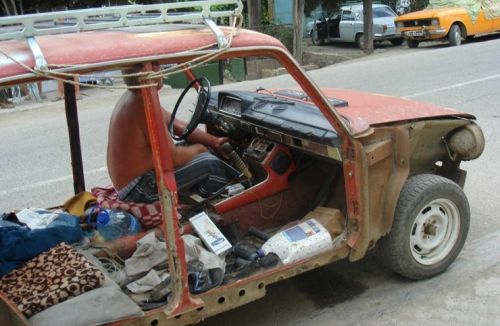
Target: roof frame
(71, 21)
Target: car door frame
(346, 26)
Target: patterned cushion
(50, 278)
(148, 214)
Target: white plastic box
(211, 236)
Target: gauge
(231, 105)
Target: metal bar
(40, 61)
(13, 27)
(221, 39)
(74, 137)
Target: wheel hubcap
(435, 231)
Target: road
(36, 172)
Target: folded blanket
(50, 278)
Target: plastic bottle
(113, 224)
(301, 241)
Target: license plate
(415, 33)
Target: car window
(383, 12)
(347, 15)
(335, 16)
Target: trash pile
(51, 260)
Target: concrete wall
(283, 11)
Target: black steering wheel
(199, 110)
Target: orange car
(454, 23)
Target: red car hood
(374, 109)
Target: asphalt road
(35, 171)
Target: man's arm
(197, 136)
(184, 154)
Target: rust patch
(378, 151)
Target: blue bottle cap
(103, 217)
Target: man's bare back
(129, 151)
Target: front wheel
(412, 43)
(396, 41)
(430, 226)
(360, 41)
(315, 37)
(455, 35)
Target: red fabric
(148, 214)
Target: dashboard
(275, 117)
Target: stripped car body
(370, 144)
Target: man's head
(135, 80)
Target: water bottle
(114, 224)
(301, 241)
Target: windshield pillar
(162, 147)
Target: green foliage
(329, 6)
(284, 33)
(419, 4)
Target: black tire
(412, 43)
(314, 37)
(396, 41)
(360, 41)
(455, 35)
(424, 199)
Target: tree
(367, 26)
(10, 8)
(298, 31)
(327, 5)
(254, 13)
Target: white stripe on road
(49, 182)
(453, 86)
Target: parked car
(326, 174)
(347, 26)
(450, 23)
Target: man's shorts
(205, 173)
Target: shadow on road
(305, 295)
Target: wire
(111, 266)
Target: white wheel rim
(435, 231)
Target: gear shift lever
(236, 160)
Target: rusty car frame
(394, 163)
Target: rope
(237, 21)
(142, 75)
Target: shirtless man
(130, 160)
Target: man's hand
(217, 146)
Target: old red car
(326, 174)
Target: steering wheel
(199, 110)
